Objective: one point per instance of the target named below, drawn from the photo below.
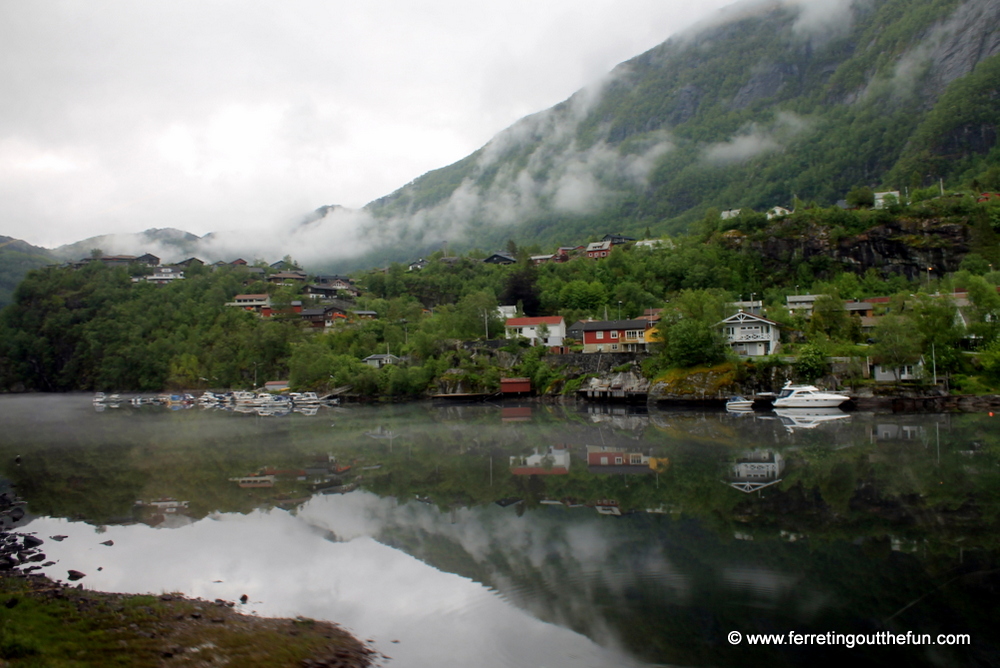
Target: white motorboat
(304, 398)
(244, 397)
(738, 404)
(807, 396)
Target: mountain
(770, 102)
(16, 259)
(169, 243)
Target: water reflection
(439, 525)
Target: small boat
(244, 397)
(304, 397)
(807, 396)
(738, 404)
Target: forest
(95, 328)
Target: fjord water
(444, 553)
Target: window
(635, 459)
(633, 334)
(614, 346)
(619, 460)
(614, 334)
(600, 336)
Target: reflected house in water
(164, 513)
(515, 413)
(555, 461)
(756, 470)
(896, 432)
(254, 481)
(613, 459)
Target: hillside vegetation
(94, 328)
(757, 111)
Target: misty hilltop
(769, 102)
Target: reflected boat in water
(808, 418)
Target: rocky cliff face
(967, 38)
(906, 246)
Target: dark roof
(500, 258)
(634, 469)
(613, 324)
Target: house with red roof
(549, 330)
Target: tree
(811, 363)
(897, 342)
(690, 343)
(830, 319)
(861, 197)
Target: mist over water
(443, 547)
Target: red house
(615, 336)
(515, 385)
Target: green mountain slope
(771, 104)
(17, 258)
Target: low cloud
(755, 140)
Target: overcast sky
(220, 115)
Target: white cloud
(755, 140)
(247, 115)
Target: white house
(887, 374)
(164, 275)
(531, 328)
(751, 335)
(380, 360)
(891, 195)
(778, 212)
(756, 470)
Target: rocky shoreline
(57, 621)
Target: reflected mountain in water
(873, 522)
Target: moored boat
(738, 404)
(808, 396)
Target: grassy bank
(44, 623)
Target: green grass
(47, 625)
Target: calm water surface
(531, 535)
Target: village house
(887, 374)
(756, 470)
(801, 303)
(321, 291)
(614, 336)
(884, 199)
(599, 249)
(380, 360)
(254, 303)
(288, 277)
(552, 327)
(617, 239)
(164, 275)
(293, 309)
(190, 262)
(554, 461)
(613, 459)
(499, 258)
(751, 335)
(323, 316)
(778, 212)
